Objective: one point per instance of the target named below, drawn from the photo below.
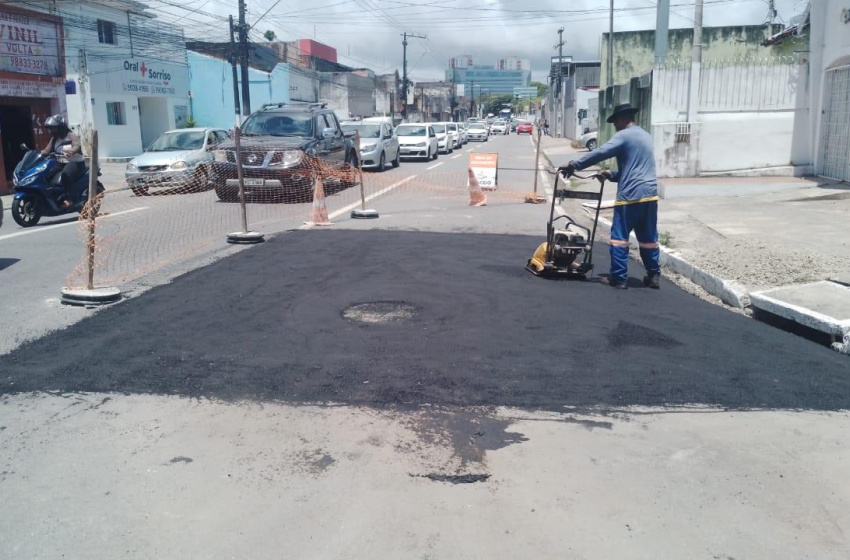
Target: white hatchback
(417, 141)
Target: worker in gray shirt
(636, 207)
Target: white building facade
(830, 86)
(127, 74)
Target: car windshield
(439, 128)
(411, 131)
(174, 141)
(477, 126)
(365, 130)
(279, 124)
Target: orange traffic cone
(476, 195)
(320, 210)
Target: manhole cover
(380, 312)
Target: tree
(498, 102)
(541, 88)
(269, 35)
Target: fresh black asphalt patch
(269, 323)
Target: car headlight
(220, 156)
(368, 148)
(132, 168)
(292, 157)
(421, 144)
(178, 165)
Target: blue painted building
(211, 85)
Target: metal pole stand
(91, 296)
(363, 213)
(535, 197)
(243, 237)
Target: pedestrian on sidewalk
(636, 207)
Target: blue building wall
(211, 83)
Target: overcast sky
(366, 33)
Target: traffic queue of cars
(275, 145)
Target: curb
(730, 293)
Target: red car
(523, 128)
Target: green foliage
(270, 35)
(190, 122)
(498, 102)
(542, 88)
(666, 239)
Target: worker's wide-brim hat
(623, 109)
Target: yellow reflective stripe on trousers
(638, 201)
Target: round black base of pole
(245, 237)
(367, 214)
(93, 297)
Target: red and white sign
(486, 169)
(29, 45)
(145, 78)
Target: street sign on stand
(486, 169)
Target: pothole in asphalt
(376, 312)
(455, 478)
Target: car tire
(226, 195)
(382, 162)
(591, 145)
(201, 181)
(350, 167)
(397, 160)
(436, 154)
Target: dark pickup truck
(284, 148)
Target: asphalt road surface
(404, 388)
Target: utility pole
(243, 48)
(559, 110)
(233, 58)
(662, 31)
(696, 64)
(472, 112)
(611, 45)
(405, 81)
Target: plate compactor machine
(568, 250)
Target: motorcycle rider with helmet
(69, 152)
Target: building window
(115, 113)
(106, 32)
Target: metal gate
(835, 124)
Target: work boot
(616, 284)
(652, 281)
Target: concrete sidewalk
(748, 234)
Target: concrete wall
(634, 51)
(211, 82)
(752, 116)
(830, 48)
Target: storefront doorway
(153, 118)
(15, 129)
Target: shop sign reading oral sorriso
(142, 77)
(29, 45)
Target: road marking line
(436, 165)
(75, 222)
(457, 156)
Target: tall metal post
(91, 209)
(611, 45)
(662, 31)
(233, 58)
(559, 112)
(405, 81)
(696, 64)
(243, 60)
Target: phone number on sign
(136, 88)
(28, 63)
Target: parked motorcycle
(38, 191)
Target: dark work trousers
(642, 218)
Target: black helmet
(56, 121)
